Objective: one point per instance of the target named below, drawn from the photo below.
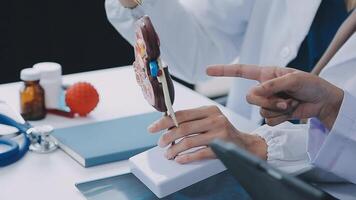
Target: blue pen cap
(154, 68)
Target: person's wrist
(331, 107)
(254, 144)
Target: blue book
(108, 141)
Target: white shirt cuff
(287, 145)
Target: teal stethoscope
(36, 139)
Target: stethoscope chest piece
(41, 140)
(46, 148)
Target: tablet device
(261, 180)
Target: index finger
(236, 70)
(284, 84)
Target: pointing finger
(236, 70)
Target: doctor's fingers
(200, 154)
(187, 143)
(273, 121)
(265, 113)
(184, 116)
(236, 70)
(274, 102)
(214, 122)
(288, 84)
(253, 72)
(268, 113)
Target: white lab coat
(197, 33)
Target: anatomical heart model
(151, 72)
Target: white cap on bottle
(30, 74)
(49, 70)
(51, 82)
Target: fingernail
(169, 155)
(152, 128)
(282, 105)
(161, 143)
(166, 155)
(179, 159)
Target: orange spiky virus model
(82, 98)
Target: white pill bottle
(51, 82)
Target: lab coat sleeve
(335, 151)
(193, 33)
(287, 146)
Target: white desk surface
(52, 176)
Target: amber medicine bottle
(32, 98)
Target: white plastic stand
(164, 177)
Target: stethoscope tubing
(16, 151)
(14, 148)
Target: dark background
(74, 33)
